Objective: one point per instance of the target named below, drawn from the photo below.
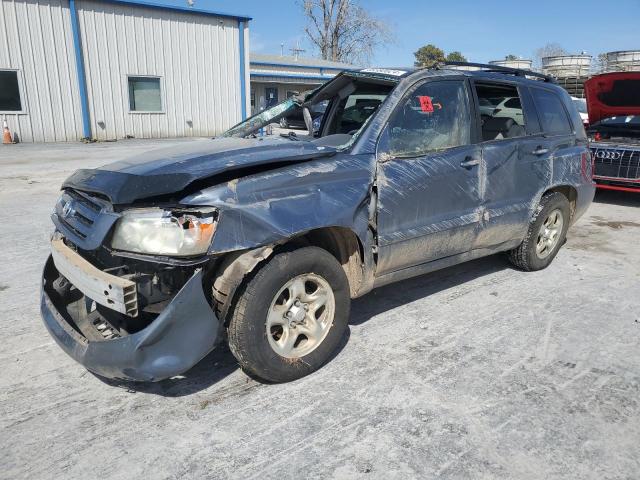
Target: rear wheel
(291, 316)
(546, 234)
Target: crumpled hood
(169, 170)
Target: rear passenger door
(514, 164)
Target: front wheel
(545, 235)
(291, 316)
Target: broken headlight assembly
(155, 231)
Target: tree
(511, 57)
(549, 50)
(601, 64)
(343, 31)
(429, 56)
(456, 57)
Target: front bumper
(179, 337)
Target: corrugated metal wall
(196, 57)
(36, 40)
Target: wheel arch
(571, 194)
(235, 267)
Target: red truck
(613, 101)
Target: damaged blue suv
(263, 242)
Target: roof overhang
(177, 8)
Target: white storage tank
(623, 61)
(564, 66)
(521, 63)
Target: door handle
(540, 151)
(469, 162)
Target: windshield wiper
(290, 136)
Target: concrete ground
(476, 371)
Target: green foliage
(511, 57)
(456, 57)
(430, 55)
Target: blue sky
(481, 30)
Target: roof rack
(519, 72)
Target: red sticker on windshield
(425, 103)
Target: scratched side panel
(269, 207)
(513, 183)
(428, 208)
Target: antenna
(296, 51)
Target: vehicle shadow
(407, 291)
(220, 363)
(613, 197)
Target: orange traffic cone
(6, 134)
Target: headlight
(162, 232)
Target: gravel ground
(476, 371)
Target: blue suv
(262, 242)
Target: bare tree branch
(343, 31)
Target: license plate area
(113, 292)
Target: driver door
(428, 177)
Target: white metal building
(110, 69)
(275, 77)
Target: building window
(10, 100)
(144, 94)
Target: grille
(82, 218)
(616, 163)
(78, 212)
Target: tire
(527, 256)
(262, 347)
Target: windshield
(266, 117)
(338, 111)
(581, 104)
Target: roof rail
(499, 69)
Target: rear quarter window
(553, 116)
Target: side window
(501, 111)
(432, 117)
(10, 100)
(553, 116)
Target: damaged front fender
(273, 206)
